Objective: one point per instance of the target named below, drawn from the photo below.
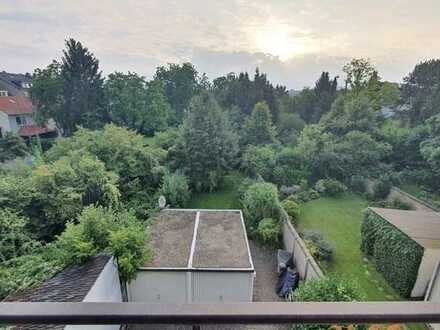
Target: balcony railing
(234, 313)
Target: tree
(430, 150)
(12, 146)
(359, 74)
(259, 128)
(136, 104)
(180, 83)
(71, 93)
(208, 146)
(421, 92)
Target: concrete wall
(107, 288)
(222, 287)
(307, 267)
(426, 269)
(156, 286)
(433, 293)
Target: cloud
(221, 36)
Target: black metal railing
(231, 313)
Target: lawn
(339, 220)
(223, 198)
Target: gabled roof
(15, 105)
(71, 285)
(421, 226)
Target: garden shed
(405, 246)
(198, 256)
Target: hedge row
(396, 255)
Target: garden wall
(418, 204)
(306, 265)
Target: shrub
(260, 201)
(396, 256)
(381, 188)
(358, 184)
(175, 189)
(395, 203)
(319, 248)
(330, 187)
(305, 196)
(259, 161)
(286, 191)
(269, 233)
(326, 289)
(292, 208)
(11, 147)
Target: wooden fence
(306, 265)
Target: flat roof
(421, 226)
(199, 239)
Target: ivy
(397, 256)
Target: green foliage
(260, 201)
(207, 147)
(136, 104)
(259, 160)
(15, 240)
(269, 233)
(259, 128)
(358, 184)
(326, 289)
(165, 139)
(360, 74)
(11, 147)
(71, 93)
(395, 203)
(382, 188)
(292, 208)
(175, 189)
(319, 248)
(396, 256)
(330, 187)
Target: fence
(306, 265)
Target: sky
(293, 41)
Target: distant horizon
(291, 41)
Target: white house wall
(426, 269)
(107, 288)
(159, 287)
(4, 122)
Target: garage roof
(199, 239)
(421, 226)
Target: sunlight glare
(278, 42)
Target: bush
(319, 248)
(286, 191)
(330, 187)
(396, 256)
(11, 147)
(358, 184)
(269, 233)
(305, 196)
(175, 189)
(326, 289)
(292, 208)
(382, 188)
(259, 161)
(395, 203)
(260, 201)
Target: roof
(12, 82)
(15, 105)
(33, 130)
(199, 239)
(70, 285)
(421, 226)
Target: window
(3, 93)
(21, 121)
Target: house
(17, 116)
(13, 84)
(199, 256)
(97, 280)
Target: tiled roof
(70, 285)
(32, 130)
(15, 105)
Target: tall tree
(359, 74)
(259, 128)
(208, 146)
(136, 104)
(421, 92)
(181, 83)
(71, 92)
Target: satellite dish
(162, 202)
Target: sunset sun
(278, 42)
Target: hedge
(396, 256)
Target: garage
(197, 256)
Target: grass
(223, 198)
(339, 220)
